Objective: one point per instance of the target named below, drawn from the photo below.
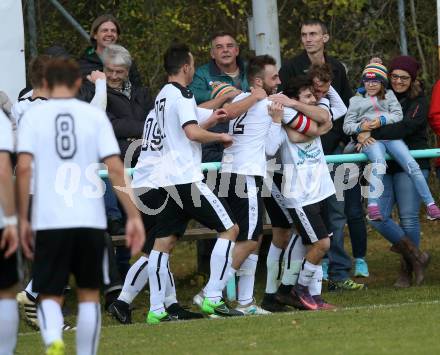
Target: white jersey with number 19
(148, 171)
(175, 108)
(67, 139)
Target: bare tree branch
(417, 36)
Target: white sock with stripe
(307, 272)
(246, 280)
(315, 286)
(221, 258)
(170, 290)
(293, 258)
(88, 328)
(29, 291)
(273, 264)
(157, 275)
(8, 325)
(51, 321)
(135, 281)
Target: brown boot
(419, 260)
(405, 274)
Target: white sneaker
(29, 308)
(252, 309)
(198, 299)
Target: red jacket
(434, 114)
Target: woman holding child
(400, 186)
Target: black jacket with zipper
(126, 115)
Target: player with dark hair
(146, 182)
(27, 299)
(60, 137)
(188, 196)
(306, 186)
(36, 72)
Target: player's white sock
(170, 291)
(135, 281)
(8, 325)
(88, 328)
(51, 321)
(220, 269)
(29, 291)
(157, 275)
(293, 258)
(273, 263)
(315, 286)
(246, 280)
(307, 271)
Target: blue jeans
(356, 221)
(111, 202)
(401, 190)
(339, 262)
(399, 151)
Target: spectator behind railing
(105, 30)
(398, 187)
(127, 107)
(214, 82)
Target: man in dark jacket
(127, 104)
(105, 30)
(127, 108)
(314, 36)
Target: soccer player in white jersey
(67, 138)
(281, 223)
(292, 251)
(189, 196)
(306, 186)
(242, 173)
(243, 170)
(146, 182)
(27, 299)
(8, 243)
(39, 92)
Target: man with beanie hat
(105, 30)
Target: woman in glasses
(399, 189)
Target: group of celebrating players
(64, 134)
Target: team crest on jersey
(310, 153)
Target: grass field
(379, 320)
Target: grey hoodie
(365, 107)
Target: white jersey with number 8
(67, 139)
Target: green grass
(380, 320)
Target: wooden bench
(192, 235)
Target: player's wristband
(10, 221)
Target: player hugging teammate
(69, 233)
